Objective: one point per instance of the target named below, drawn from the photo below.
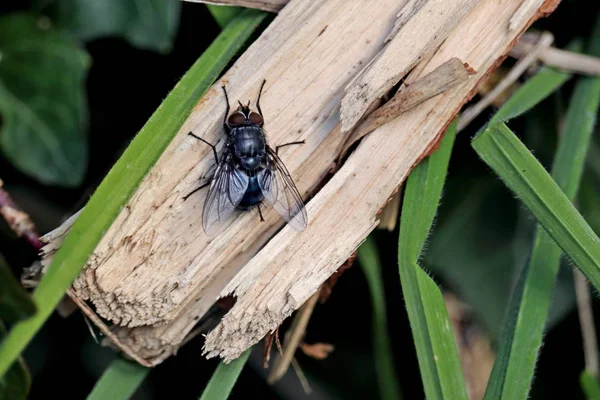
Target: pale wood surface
(422, 25)
(155, 273)
(292, 266)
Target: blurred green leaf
(384, 356)
(15, 302)
(16, 383)
(149, 24)
(590, 386)
(42, 101)
(432, 333)
(224, 378)
(124, 178)
(223, 14)
(119, 381)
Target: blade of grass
(436, 349)
(220, 384)
(526, 177)
(590, 386)
(223, 14)
(119, 381)
(125, 176)
(384, 361)
(528, 310)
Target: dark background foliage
(129, 70)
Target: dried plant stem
(293, 337)
(558, 58)
(18, 220)
(586, 320)
(472, 112)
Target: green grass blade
(522, 336)
(220, 384)
(530, 303)
(384, 362)
(436, 349)
(526, 177)
(223, 14)
(590, 386)
(125, 176)
(119, 381)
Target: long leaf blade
(436, 350)
(221, 383)
(119, 381)
(520, 342)
(386, 371)
(526, 177)
(125, 176)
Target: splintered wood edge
(265, 5)
(430, 22)
(448, 75)
(281, 277)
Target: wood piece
(472, 112)
(444, 77)
(421, 26)
(266, 5)
(292, 266)
(155, 273)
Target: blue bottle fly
(248, 173)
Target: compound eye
(236, 118)
(255, 118)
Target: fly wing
(280, 191)
(225, 193)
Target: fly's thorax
(248, 145)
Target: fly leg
(195, 190)
(214, 149)
(212, 146)
(260, 213)
(287, 144)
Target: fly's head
(244, 116)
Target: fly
(248, 172)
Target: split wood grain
(422, 25)
(444, 77)
(292, 266)
(155, 273)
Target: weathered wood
(421, 26)
(451, 73)
(155, 273)
(285, 273)
(267, 5)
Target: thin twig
(558, 58)
(586, 321)
(301, 376)
(18, 220)
(106, 330)
(293, 337)
(520, 67)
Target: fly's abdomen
(253, 195)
